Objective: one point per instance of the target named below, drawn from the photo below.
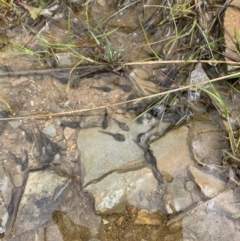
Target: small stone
(24, 113)
(130, 208)
(63, 145)
(17, 180)
(189, 186)
(21, 80)
(70, 143)
(14, 124)
(208, 184)
(176, 197)
(146, 218)
(56, 158)
(105, 221)
(68, 132)
(128, 235)
(101, 2)
(50, 131)
(175, 226)
(120, 220)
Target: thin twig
(49, 71)
(181, 61)
(120, 103)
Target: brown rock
(231, 31)
(120, 221)
(144, 217)
(208, 184)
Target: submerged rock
(40, 198)
(208, 184)
(101, 154)
(176, 197)
(115, 191)
(172, 152)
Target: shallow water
(64, 175)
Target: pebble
(21, 80)
(17, 180)
(56, 158)
(146, 218)
(68, 132)
(189, 186)
(14, 124)
(105, 221)
(101, 2)
(50, 131)
(209, 185)
(128, 235)
(120, 220)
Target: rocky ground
(88, 155)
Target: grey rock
(101, 154)
(24, 113)
(128, 235)
(50, 130)
(18, 180)
(78, 206)
(68, 132)
(189, 185)
(39, 200)
(115, 191)
(14, 124)
(207, 138)
(176, 197)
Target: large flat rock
(40, 198)
(114, 192)
(172, 152)
(101, 153)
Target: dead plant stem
(120, 103)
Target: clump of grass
(7, 4)
(5, 106)
(234, 140)
(113, 55)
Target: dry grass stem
(120, 103)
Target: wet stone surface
(92, 153)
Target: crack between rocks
(133, 166)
